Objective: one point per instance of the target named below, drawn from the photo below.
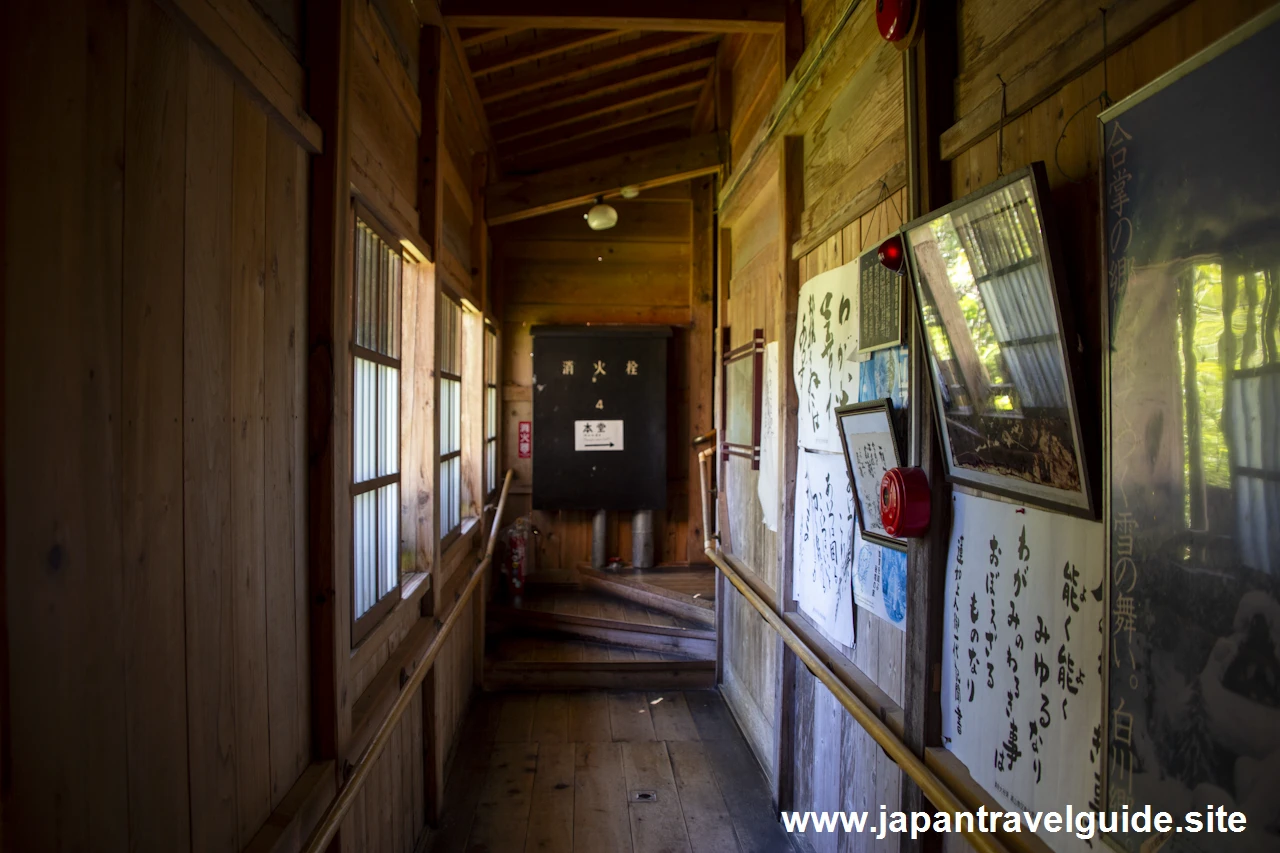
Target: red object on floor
(904, 502)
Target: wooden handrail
(935, 790)
(708, 529)
(341, 804)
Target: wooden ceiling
(563, 81)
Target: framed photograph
(743, 374)
(870, 450)
(1190, 257)
(1002, 354)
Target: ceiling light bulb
(629, 192)
(602, 216)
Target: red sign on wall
(525, 437)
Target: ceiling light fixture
(629, 192)
(602, 216)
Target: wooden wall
(154, 400)
(842, 112)
(157, 585)
(648, 269)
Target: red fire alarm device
(891, 255)
(894, 18)
(904, 502)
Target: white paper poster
(826, 353)
(767, 484)
(880, 581)
(597, 435)
(823, 543)
(1022, 659)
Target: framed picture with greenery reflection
(1003, 355)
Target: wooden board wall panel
(235, 31)
(757, 80)
(155, 137)
(285, 218)
(209, 576)
(381, 125)
(599, 283)
(62, 431)
(456, 237)
(248, 463)
(396, 77)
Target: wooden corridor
(560, 772)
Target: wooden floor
(606, 771)
(548, 649)
(691, 580)
(569, 601)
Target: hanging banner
(823, 543)
(1022, 656)
(825, 354)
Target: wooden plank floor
(552, 649)
(569, 601)
(606, 771)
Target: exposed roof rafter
(593, 62)
(707, 16)
(539, 48)
(574, 185)
(548, 119)
(627, 77)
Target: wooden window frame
(447, 537)
(362, 625)
(491, 410)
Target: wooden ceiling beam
(620, 79)
(585, 64)
(540, 48)
(575, 185)
(617, 118)
(664, 129)
(492, 34)
(705, 16)
(548, 119)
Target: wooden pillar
(929, 73)
(328, 37)
(701, 356)
(791, 195)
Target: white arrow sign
(597, 435)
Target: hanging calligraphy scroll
(870, 450)
(825, 356)
(1191, 245)
(1002, 353)
(822, 555)
(1022, 656)
(742, 377)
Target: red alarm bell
(904, 502)
(893, 18)
(891, 255)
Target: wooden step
(594, 675)
(649, 595)
(690, 642)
